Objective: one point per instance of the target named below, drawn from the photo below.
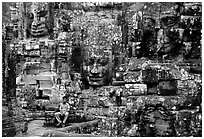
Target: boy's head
(64, 99)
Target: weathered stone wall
(170, 85)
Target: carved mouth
(95, 79)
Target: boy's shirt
(64, 107)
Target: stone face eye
(90, 61)
(169, 21)
(103, 62)
(149, 22)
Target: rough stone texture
(36, 129)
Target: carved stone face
(168, 36)
(149, 24)
(38, 26)
(97, 66)
(159, 23)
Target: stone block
(167, 88)
(152, 88)
(188, 123)
(150, 75)
(135, 89)
(133, 77)
(165, 75)
(109, 126)
(196, 125)
(136, 64)
(170, 102)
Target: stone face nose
(96, 69)
(157, 23)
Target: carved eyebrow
(168, 15)
(91, 58)
(147, 16)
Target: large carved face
(168, 36)
(159, 21)
(38, 26)
(97, 65)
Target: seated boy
(64, 111)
